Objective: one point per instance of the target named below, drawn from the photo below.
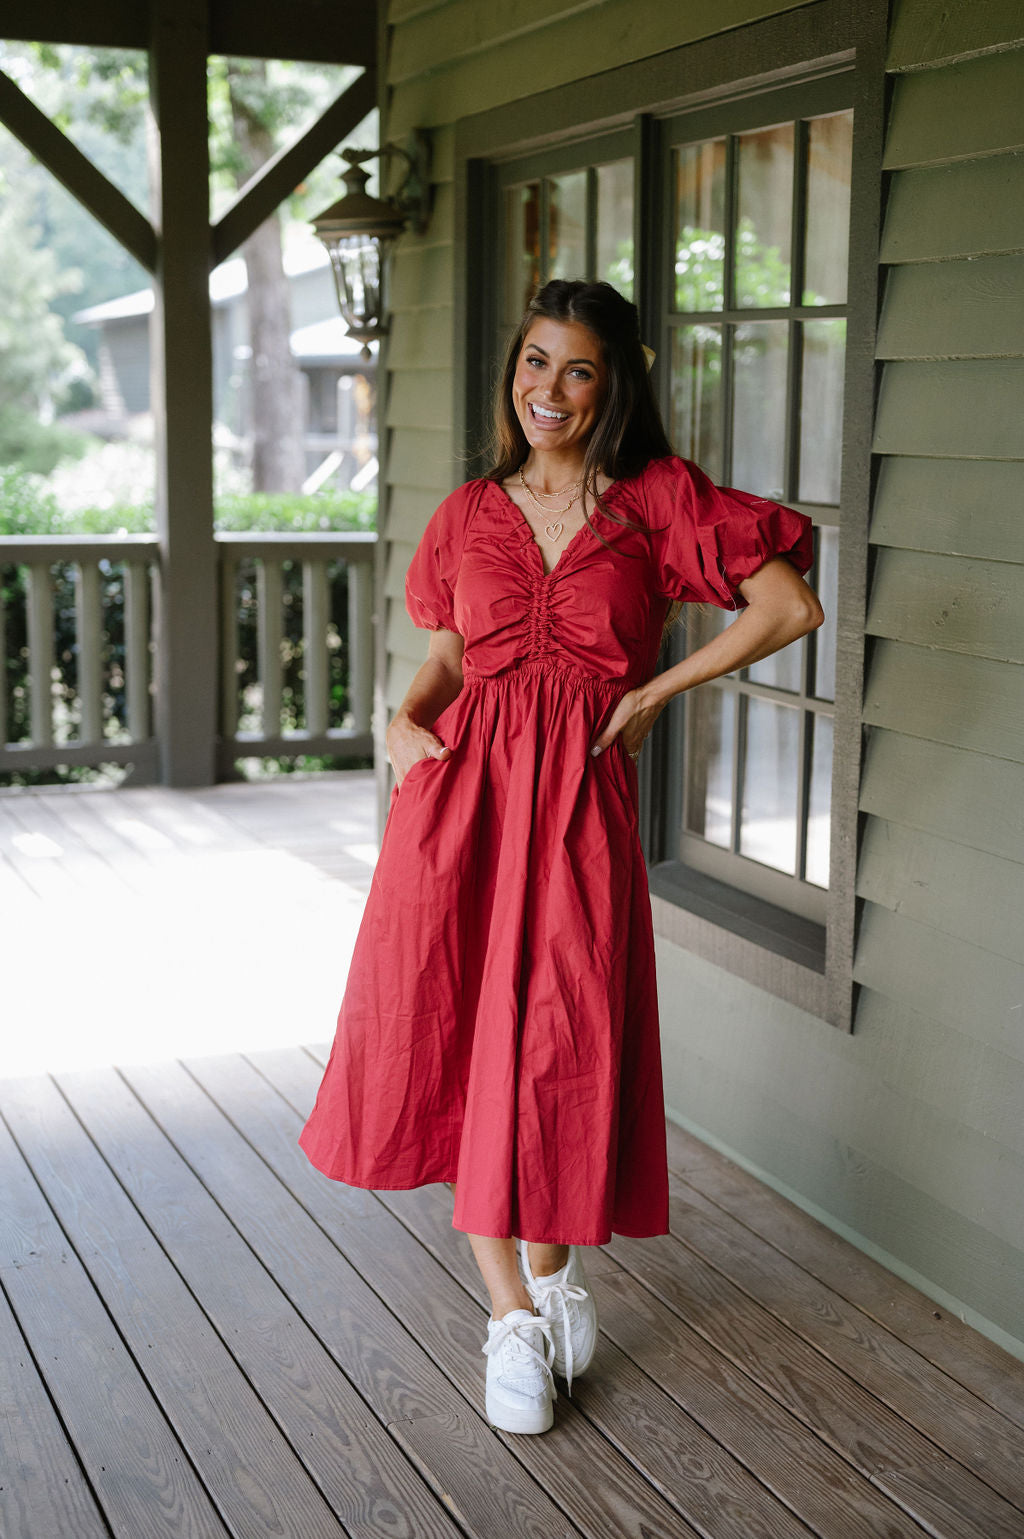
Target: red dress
(499, 1026)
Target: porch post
(186, 664)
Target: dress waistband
(546, 668)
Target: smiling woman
(500, 1025)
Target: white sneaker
(563, 1300)
(520, 1389)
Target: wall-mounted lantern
(359, 232)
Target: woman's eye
(538, 361)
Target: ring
(635, 756)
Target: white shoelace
(546, 1295)
(519, 1347)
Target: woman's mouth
(546, 416)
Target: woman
(499, 1029)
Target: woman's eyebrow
(534, 348)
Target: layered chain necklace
(553, 528)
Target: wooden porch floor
(204, 1337)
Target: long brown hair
(629, 433)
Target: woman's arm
(780, 609)
(435, 685)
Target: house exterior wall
(906, 1135)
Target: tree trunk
(276, 384)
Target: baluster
(228, 644)
(88, 633)
(136, 649)
(269, 625)
(314, 640)
(360, 643)
(39, 600)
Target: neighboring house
(337, 378)
(835, 839)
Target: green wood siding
(906, 1135)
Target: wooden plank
(421, 339)
(556, 54)
(422, 458)
(968, 109)
(399, 556)
(249, 1465)
(408, 513)
(603, 1492)
(967, 1356)
(968, 702)
(971, 798)
(982, 1440)
(966, 309)
(969, 607)
(942, 977)
(951, 507)
(40, 620)
(902, 1462)
(925, 34)
(421, 400)
(136, 1468)
(401, 672)
(396, 1378)
(436, 39)
(967, 893)
(966, 209)
(43, 1490)
(961, 409)
(421, 275)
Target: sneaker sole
(507, 1419)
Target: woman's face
(560, 385)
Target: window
(753, 333)
(752, 278)
(738, 162)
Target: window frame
(788, 955)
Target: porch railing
(78, 641)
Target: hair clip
(649, 356)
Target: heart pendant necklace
(553, 531)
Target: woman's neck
(548, 472)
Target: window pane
(760, 350)
(770, 782)
(700, 226)
(828, 209)
(783, 670)
(820, 802)
(567, 225)
(522, 249)
(697, 395)
(710, 748)
(615, 225)
(825, 636)
(764, 217)
(821, 410)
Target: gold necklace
(552, 514)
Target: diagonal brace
(77, 173)
(265, 191)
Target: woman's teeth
(549, 416)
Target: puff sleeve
(706, 539)
(430, 579)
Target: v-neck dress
(499, 1026)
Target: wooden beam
(181, 389)
(262, 194)
(76, 172)
(316, 31)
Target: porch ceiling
(318, 31)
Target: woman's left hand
(632, 719)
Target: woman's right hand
(408, 742)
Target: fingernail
(595, 751)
